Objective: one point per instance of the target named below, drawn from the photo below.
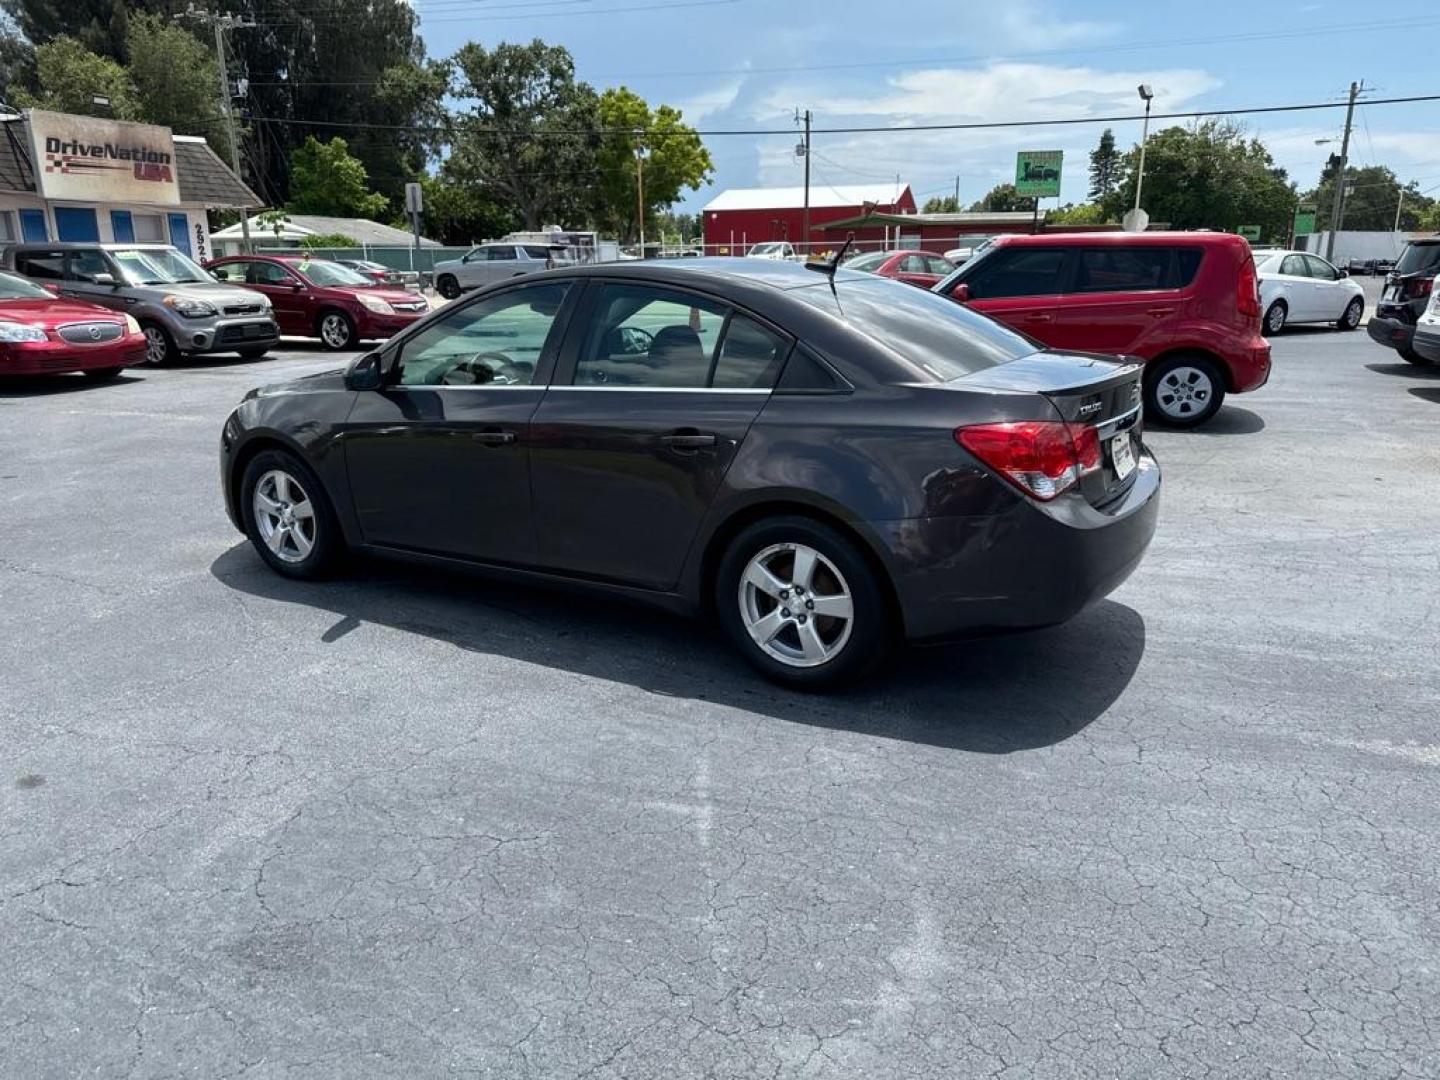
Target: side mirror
(104, 279)
(366, 373)
(51, 287)
(294, 286)
(961, 293)
(1343, 273)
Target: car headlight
(375, 304)
(190, 307)
(132, 326)
(14, 331)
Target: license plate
(1123, 455)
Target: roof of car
(1120, 238)
(777, 273)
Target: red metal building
(739, 218)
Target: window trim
(563, 375)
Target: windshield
(868, 263)
(324, 272)
(17, 288)
(945, 340)
(158, 266)
(1419, 259)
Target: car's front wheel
(336, 330)
(159, 347)
(802, 604)
(288, 517)
(1351, 319)
(1183, 391)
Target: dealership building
(88, 179)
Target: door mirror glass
(365, 373)
(103, 279)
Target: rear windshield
(942, 338)
(1419, 259)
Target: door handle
(685, 441)
(1160, 312)
(1043, 317)
(494, 438)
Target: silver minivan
(181, 307)
(488, 263)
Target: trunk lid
(1098, 392)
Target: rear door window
(1415, 259)
(233, 272)
(1135, 268)
(41, 265)
(641, 335)
(500, 254)
(539, 253)
(1020, 271)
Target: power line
(339, 15)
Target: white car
(1426, 342)
(773, 250)
(1297, 287)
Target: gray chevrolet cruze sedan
(822, 465)
(180, 306)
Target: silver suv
(487, 264)
(180, 306)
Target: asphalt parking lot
(408, 825)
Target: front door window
(498, 341)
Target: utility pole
(221, 23)
(1337, 205)
(1398, 207)
(640, 189)
(805, 214)
(957, 194)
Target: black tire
(1353, 311)
(1168, 402)
(102, 374)
(160, 348)
(1275, 316)
(447, 286)
(254, 354)
(871, 631)
(336, 330)
(1410, 356)
(327, 545)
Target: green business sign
(1305, 221)
(1037, 173)
(1249, 232)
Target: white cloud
(708, 102)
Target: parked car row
(63, 302)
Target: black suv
(1407, 292)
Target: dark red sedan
(922, 268)
(320, 298)
(41, 334)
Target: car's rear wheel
(1410, 356)
(336, 330)
(102, 374)
(288, 516)
(802, 604)
(448, 287)
(1275, 316)
(159, 347)
(1351, 319)
(1183, 391)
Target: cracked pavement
(409, 825)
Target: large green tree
(675, 159)
(1374, 197)
(1207, 176)
(1105, 166)
(326, 179)
(70, 77)
(528, 132)
(1002, 198)
(462, 213)
(175, 79)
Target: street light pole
(640, 190)
(1146, 95)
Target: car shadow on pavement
(1427, 393)
(23, 386)
(211, 360)
(1412, 371)
(1230, 420)
(994, 696)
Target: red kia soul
(1186, 303)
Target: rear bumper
(1390, 332)
(55, 357)
(1028, 567)
(1249, 366)
(1427, 343)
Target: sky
(751, 63)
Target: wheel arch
(246, 452)
(1211, 357)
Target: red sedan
(321, 298)
(41, 334)
(922, 268)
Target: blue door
(32, 226)
(123, 226)
(77, 224)
(180, 233)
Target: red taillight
(1423, 286)
(1247, 295)
(1042, 458)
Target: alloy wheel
(1353, 312)
(796, 605)
(335, 331)
(285, 516)
(1275, 319)
(1184, 392)
(156, 347)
